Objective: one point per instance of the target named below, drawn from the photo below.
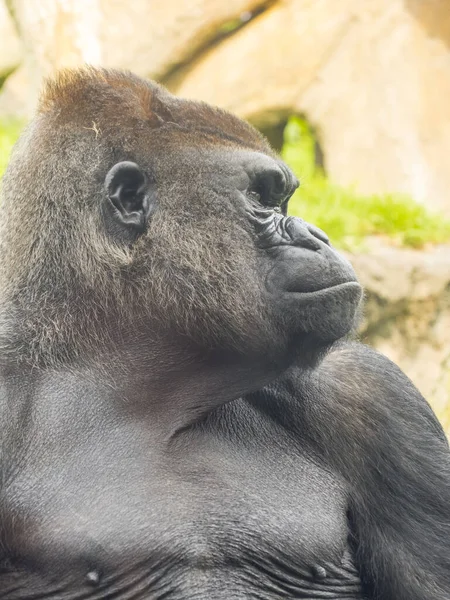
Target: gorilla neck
(180, 383)
(165, 377)
(153, 369)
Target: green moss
(349, 217)
(9, 132)
(230, 26)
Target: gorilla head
(128, 213)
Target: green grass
(346, 216)
(9, 132)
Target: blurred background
(355, 94)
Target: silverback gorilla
(182, 418)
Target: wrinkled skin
(182, 418)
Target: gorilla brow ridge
(73, 90)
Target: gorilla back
(180, 419)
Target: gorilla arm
(367, 421)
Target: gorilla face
(253, 274)
(307, 281)
(162, 214)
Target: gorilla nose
(304, 234)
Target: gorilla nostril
(318, 233)
(300, 234)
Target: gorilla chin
(314, 286)
(328, 314)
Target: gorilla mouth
(327, 314)
(305, 272)
(338, 287)
(313, 285)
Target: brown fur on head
(90, 94)
(67, 288)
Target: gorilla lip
(349, 285)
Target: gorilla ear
(129, 197)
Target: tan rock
(373, 77)
(381, 105)
(15, 95)
(10, 45)
(55, 34)
(153, 37)
(142, 35)
(263, 69)
(407, 315)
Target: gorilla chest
(209, 520)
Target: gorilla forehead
(116, 101)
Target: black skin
(183, 418)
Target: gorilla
(183, 416)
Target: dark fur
(361, 415)
(53, 242)
(168, 337)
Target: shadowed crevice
(172, 78)
(434, 17)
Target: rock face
(10, 45)
(154, 37)
(407, 315)
(147, 37)
(54, 34)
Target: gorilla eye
(254, 195)
(262, 193)
(262, 198)
(271, 188)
